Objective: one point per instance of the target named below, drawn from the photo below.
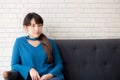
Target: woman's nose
(36, 27)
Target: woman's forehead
(34, 22)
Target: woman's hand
(34, 74)
(46, 77)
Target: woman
(35, 56)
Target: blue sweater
(25, 56)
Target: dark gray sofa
(97, 59)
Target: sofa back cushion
(90, 59)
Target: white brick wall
(64, 19)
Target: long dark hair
(46, 44)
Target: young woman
(35, 56)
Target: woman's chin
(36, 36)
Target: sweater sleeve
(57, 70)
(16, 61)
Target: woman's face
(34, 30)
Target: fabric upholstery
(90, 59)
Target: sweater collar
(33, 39)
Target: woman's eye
(32, 26)
(39, 25)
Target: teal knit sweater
(25, 56)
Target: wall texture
(64, 19)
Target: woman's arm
(16, 61)
(57, 60)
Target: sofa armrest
(12, 75)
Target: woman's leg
(55, 78)
(29, 78)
